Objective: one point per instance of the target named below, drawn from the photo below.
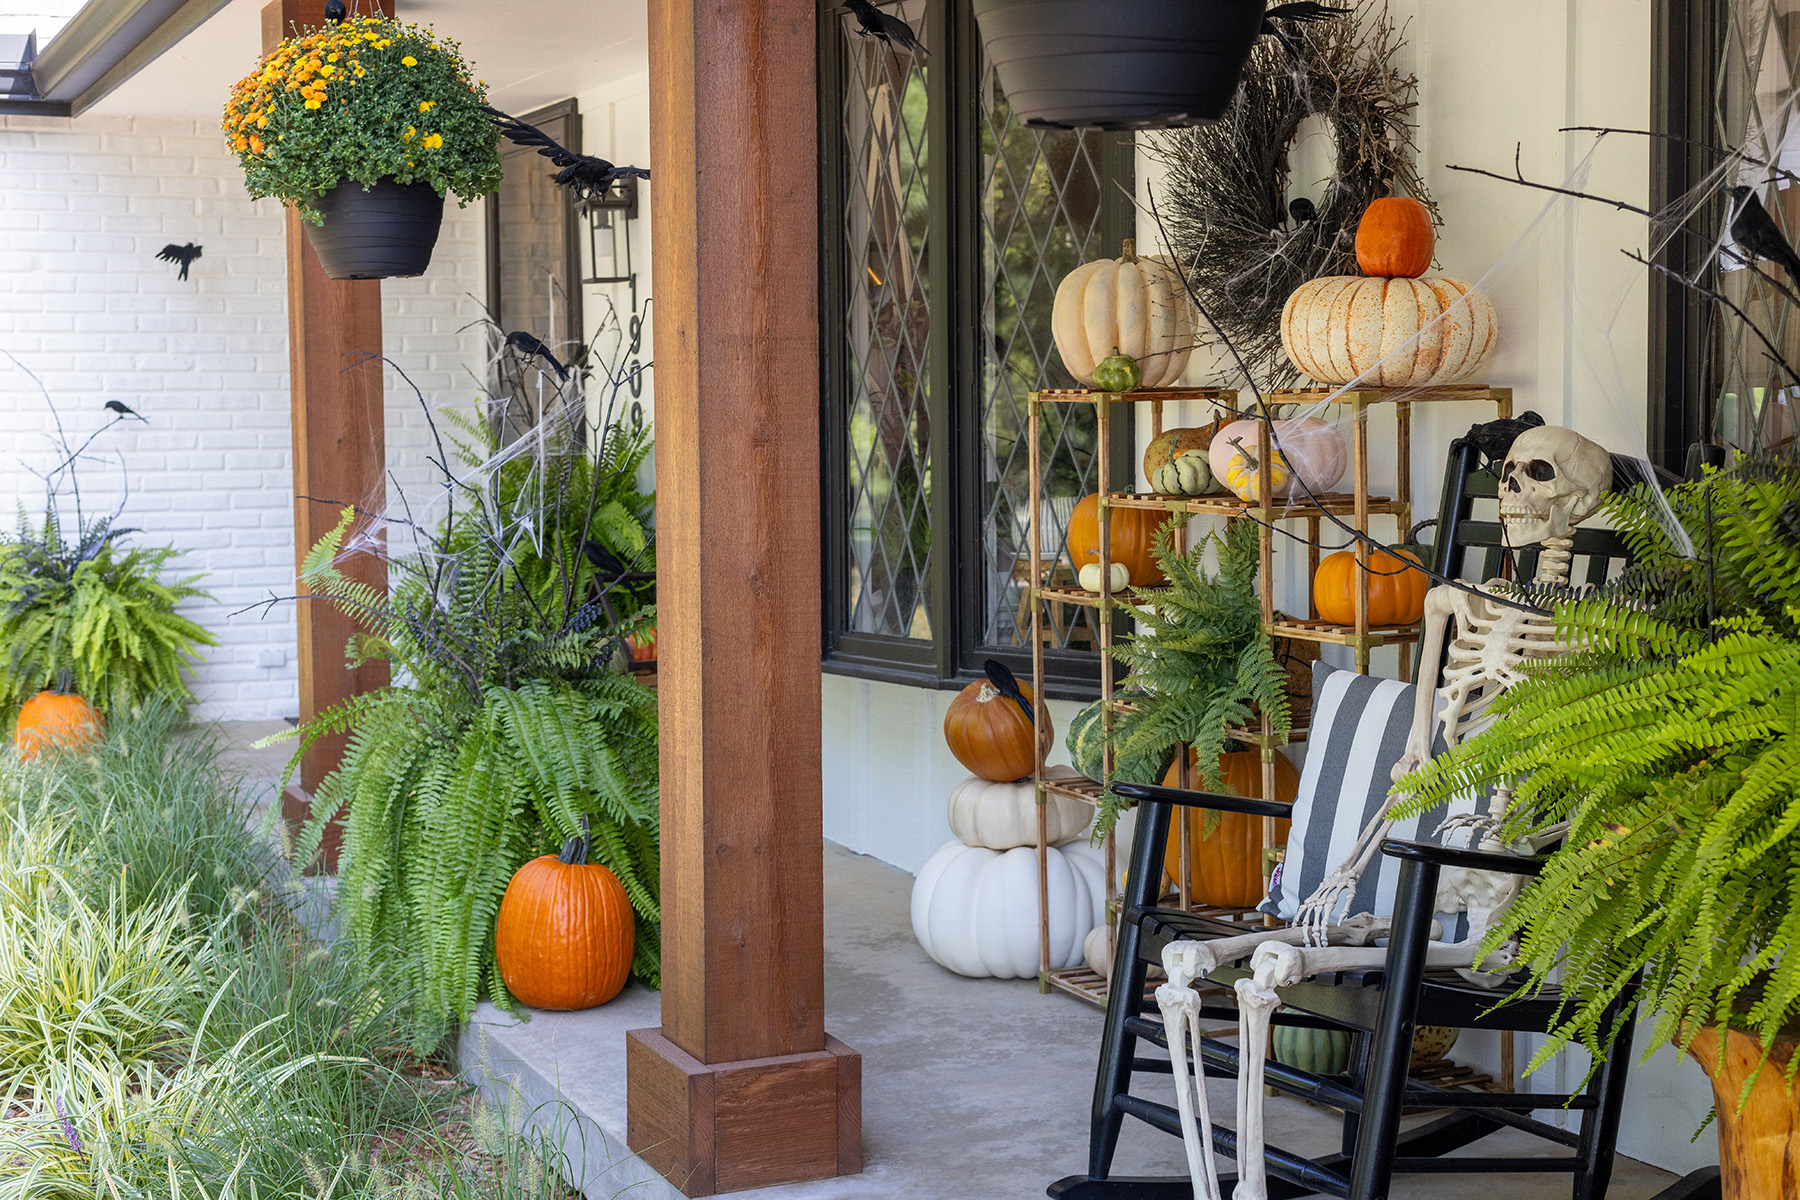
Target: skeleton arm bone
(1440, 606)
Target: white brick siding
(84, 207)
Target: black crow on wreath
(185, 255)
(885, 27)
(533, 347)
(583, 173)
(1302, 11)
(1753, 229)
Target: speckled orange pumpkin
(1388, 332)
(55, 718)
(565, 934)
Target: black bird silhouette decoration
(1001, 676)
(335, 11)
(1495, 438)
(583, 173)
(185, 255)
(1302, 210)
(1753, 229)
(125, 411)
(531, 347)
(885, 27)
(1302, 11)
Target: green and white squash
(1320, 1051)
(1086, 744)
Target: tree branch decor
(1226, 206)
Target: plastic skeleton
(1551, 481)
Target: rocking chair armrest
(1452, 856)
(1187, 798)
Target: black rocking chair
(1382, 1007)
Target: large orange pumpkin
(1395, 238)
(1225, 866)
(642, 646)
(56, 719)
(989, 727)
(1133, 539)
(565, 934)
(1396, 592)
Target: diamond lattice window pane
(1040, 218)
(888, 321)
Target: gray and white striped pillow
(1359, 729)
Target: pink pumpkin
(1314, 450)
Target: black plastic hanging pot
(1119, 64)
(386, 232)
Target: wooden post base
(296, 811)
(1757, 1140)
(726, 1127)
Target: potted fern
(515, 727)
(1667, 742)
(365, 126)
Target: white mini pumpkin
(1137, 305)
(1314, 450)
(975, 910)
(1001, 816)
(1387, 332)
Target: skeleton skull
(1552, 481)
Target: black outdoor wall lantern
(1119, 64)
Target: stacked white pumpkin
(975, 902)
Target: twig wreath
(1225, 197)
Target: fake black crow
(532, 347)
(1001, 676)
(335, 11)
(1302, 210)
(1753, 229)
(185, 255)
(583, 173)
(124, 411)
(1302, 11)
(885, 27)
(1495, 438)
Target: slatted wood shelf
(1451, 393)
(1342, 635)
(1227, 396)
(1060, 594)
(1338, 504)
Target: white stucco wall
(1575, 336)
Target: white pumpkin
(1138, 305)
(975, 910)
(1314, 449)
(1386, 332)
(1089, 577)
(1097, 951)
(1003, 815)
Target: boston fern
(91, 616)
(1200, 661)
(1670, 743)
(509, 724)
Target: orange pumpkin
(56, 719)
(642, 646)
(1396, 592)
(990, 733)
(1395, 238)
(565, 933)
(1133, 539)
(1225, 867)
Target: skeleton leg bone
(1256, 1003)
(1181, 1022)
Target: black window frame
(958, 614)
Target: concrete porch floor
(975, 1089)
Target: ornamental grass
(364, 100)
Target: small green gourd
(1118, 373)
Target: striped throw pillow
(1359, 729)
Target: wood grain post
(340, 455)
(740, 1087)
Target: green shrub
(93, 617)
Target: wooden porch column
(340, 452)
(741, 1087)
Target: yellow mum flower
(314, 103)
(427, 105)
(409, 61)
(410, 133)
(433, 141)
(327, 69)
(332, 58)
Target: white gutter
(108, 42)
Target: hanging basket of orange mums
(365, 126)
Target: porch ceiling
(531, 52)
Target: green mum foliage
(1200, 661)
(93, 615)
(1670, 742)
(367, 99)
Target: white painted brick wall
(84, 207)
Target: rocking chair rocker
(1380, 1007)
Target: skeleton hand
(1321, 909)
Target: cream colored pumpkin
(1138, 305)
(1386, 332)
(1003, 815)
(975, 910)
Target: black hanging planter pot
(386, 232)
(1119, 64)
